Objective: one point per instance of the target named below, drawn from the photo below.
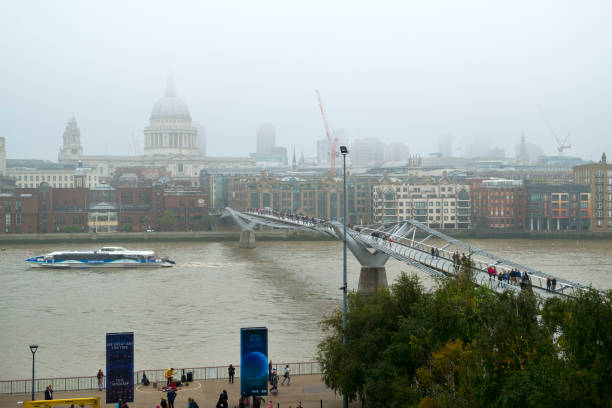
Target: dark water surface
(191, 314)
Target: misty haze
(419, 73)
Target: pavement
(309, 389)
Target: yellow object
(93, 402)
(168, 373)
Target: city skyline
(410, 73)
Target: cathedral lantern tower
(170, 130)
(71, 149)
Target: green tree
(207, 222)
(463, 345)
(168, 219)
(127, 227)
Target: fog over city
(414, 72)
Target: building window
(18, 219)
(7, 219)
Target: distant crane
(333, 144)
(562, 145)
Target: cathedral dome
(170, 106)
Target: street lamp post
(33, 348)
(344, 152)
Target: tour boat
(107, 257)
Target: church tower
(71, 149)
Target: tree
(463, 345)
(127, 227)
(207, 222)
(168, 219)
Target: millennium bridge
(406, 241)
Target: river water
(191, 314)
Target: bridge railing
(480, 265)
(24, 386)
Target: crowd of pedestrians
(286, 215)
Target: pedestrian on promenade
(257, 401)
(548, 283)
(437, 253)
(171, 397)
(554, 284)
(168, 374)
(287, 375)
(432, 251)
(270, 372)
(230, 372)
(49, 392)
(163, 403)
(100, 376)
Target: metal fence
(91, 383)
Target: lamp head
(33, 348)
(343, 150)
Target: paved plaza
(309, 389)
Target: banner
(119, 367)
(254, 361)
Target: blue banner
(254, 361)
(119, 367)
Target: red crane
(333, 144)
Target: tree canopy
(460, 345)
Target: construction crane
(332, 143)
(562, 145)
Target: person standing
(287, 375)
(230, 372)
(554, 284)
(49, 392)
(168, 374)
(100, 376)
(171, 397)
(548, 284)
(270, 372)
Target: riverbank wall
(213, 236)
(271, 235)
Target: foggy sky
(408, 71)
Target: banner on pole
(254, 361)
(119, 367)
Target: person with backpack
(287, 375)
(171, 397)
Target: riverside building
(598, 177)
(443, 204)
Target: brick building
(498, 203)
(598, 177)
(102, 209)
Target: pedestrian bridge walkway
(411, 242)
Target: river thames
(190, 315)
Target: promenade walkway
(309, 389)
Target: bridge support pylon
(373, 274)
(372, 278)
(247, 238)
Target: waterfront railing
(156, 375)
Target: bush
(126, 227)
